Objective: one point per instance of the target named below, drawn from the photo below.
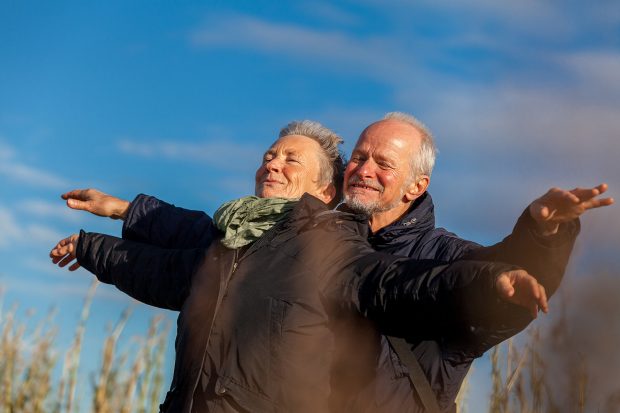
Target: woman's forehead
(298, 144)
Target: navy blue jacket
(266, 328)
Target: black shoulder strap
(420, 383)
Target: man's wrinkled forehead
(389, 136)
(390, 129)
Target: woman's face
(290, 168)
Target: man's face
(379, 172)
(289, 169)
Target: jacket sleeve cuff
(132, 229)
(566, 233)
(85, 255)
(81, 248)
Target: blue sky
(179, 99)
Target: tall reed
(131, 381)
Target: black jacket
(263, 329)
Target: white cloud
(376, 56)
(224, 153)
(14, 232)
(9, 228)
(410, 68)
(44, 266)
(20, 172)
(32, 176)
(513, 22)
(6, 152)
(42, 235)
(557, 127)
(517, 13)
(44, 209)
(599, 69)
(329, 12)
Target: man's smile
(364, 185)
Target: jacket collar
(414, 223)
(311, 210)
(419, 219)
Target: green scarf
(246, 219)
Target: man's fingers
(558, 196)
(583, 194)
(548, 205)
(586, 194)
(537, 296)
(569, 196)
(597, 203)
(542, 300)
(520, 288)
(504, 286)
(541, 211)
(602, 188)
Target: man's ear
(327, 193)
(417, 187)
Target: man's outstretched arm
(428, 298)
(543, 237)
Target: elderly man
(386, 179)
(260, 308)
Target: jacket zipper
(220, 296)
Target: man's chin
(361, 205)
(361, 198)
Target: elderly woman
(265, 308)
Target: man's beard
(372, 207)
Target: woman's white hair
(425, 161)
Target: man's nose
(365, 169)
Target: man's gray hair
(425, 161)
(332, 160)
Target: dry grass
(129, 382)
(568, 364)
(567, 361)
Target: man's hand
(558, 206)
(98, 203)
(64, 252)
(520, 288)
